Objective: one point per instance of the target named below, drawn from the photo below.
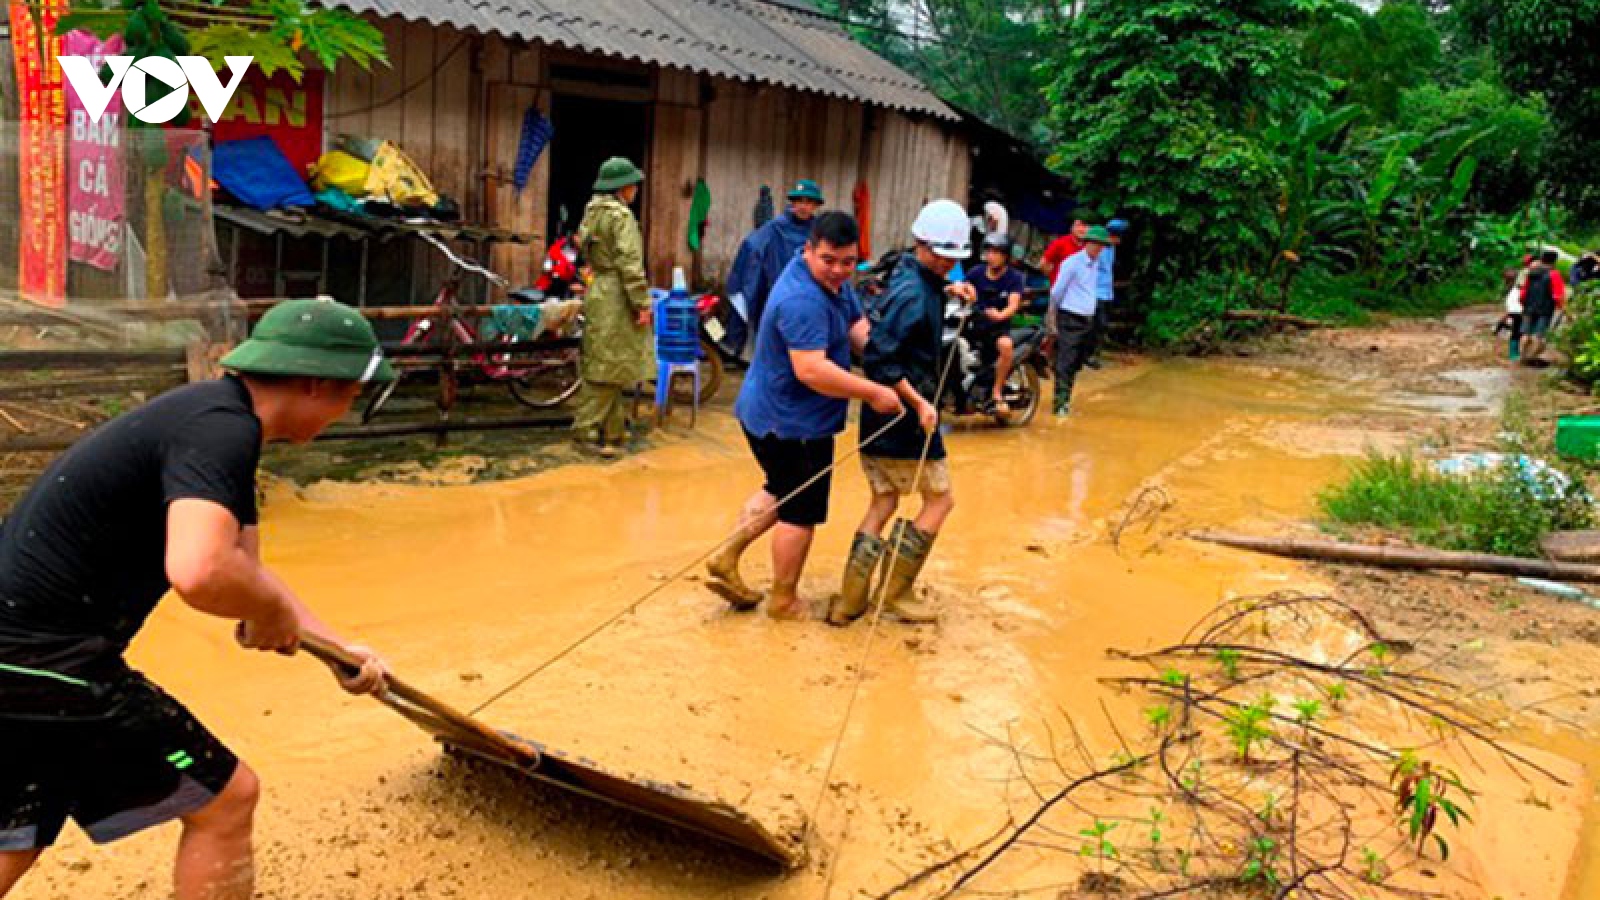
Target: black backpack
(1541, 298)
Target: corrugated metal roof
(749, 40)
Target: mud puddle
(1065, 542)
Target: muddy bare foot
(726, 582)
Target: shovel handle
(338, 657)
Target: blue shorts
(1536, 326)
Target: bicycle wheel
(549, 379)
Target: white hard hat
(943, 226)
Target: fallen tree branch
(1032, 820)
(1404, 557)
(917, 878)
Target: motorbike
(559, 274)
(712, 355)
(969, 386)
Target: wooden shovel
(433, 714)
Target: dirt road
(1054, 555)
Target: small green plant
(1193, 777)
(1250, 725)
(1268, 812)
(1228, 659)
(1185, 858)
(1174, 678)
(1262, 862)
(1380, 660)
(1307, 711)
(1157, 817)
(1421, 794)
(113, 406)
(1097, 842)
(1338, 693)
(1373, 869)
(1159, 717)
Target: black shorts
(117, 759)
(788, 464)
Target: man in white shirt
(1070, 324)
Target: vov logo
(133, 77)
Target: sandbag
(395, 177)
(338, 169)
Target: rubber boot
(865, 553)
(1516, 350)
(905, 564)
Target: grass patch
(1504, 510)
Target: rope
(691, 566)
(877, 612)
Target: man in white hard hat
(904, 352)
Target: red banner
(95, 198)
(287, 111)
(41, 152)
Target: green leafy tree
(1546, 47)
(279, 34)
(1377, 56)
(1512, 152)
(982, 55)
(1160, 108)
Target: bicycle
(540, 374)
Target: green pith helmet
(617, 172)
(1097, 235)
(315, 338)
(806, 189)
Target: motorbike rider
(904, 352)
(999, 288)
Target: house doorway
(588, 131)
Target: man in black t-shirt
(999, 287)
(159, 498)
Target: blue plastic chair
(677, 349)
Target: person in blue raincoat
(763, 256)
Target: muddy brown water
(466, 587)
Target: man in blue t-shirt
(794, 400)
(999, 288)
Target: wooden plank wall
(911, 161)
(421, 101)
(514, 79)
(754, 135)
(764, 135)
(673, 167)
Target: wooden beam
(26, 360)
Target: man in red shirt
(1062, 247)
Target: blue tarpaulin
(256, 171)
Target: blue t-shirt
(1105, 285)
(800, 315)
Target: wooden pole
(1407, 558)
(401, 696)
